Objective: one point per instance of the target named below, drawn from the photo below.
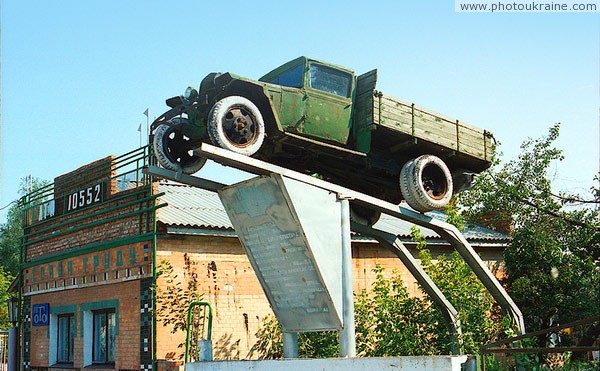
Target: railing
(557, 335)
(199, 327)
(124, 173)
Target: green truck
(322, 119)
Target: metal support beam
(445, 230)
(290, 345)
(180, 177)
(394, 244)
(348, 334)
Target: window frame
(106, 314)
(336, 71)
(276, 80)
(70, 317)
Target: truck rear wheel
(236, 124)
(172, 150)
(426, 183)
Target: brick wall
(89, 254)
(127, 340)
(94, 222)
(229, 283)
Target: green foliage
(173, 300)
(392, 323)
(475, 306)
(452, 211)
(389, 322)
(553, 259)
(10, 240)
(11, 231)
(5, 281)
(270, 340)
(310, 344)
(553, 262)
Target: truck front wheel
(172, 150)
(426, 183)
(236, 124)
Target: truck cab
(316, 99)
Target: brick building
(94, 241)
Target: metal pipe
(290, 345)
(347, 335)
(13, 346)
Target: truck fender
(258, 95)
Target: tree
(553, 263)
(12, 230)
(5, 281)
(10, 240)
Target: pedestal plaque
(291, 234)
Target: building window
(66, 336)
(104, 331)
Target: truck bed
(471, 144)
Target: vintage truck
(319, 118)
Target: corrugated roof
(191, 207)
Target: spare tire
(236, 124)
(172, 150)
(426, 183)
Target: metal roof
(191, 207)
(196, 208)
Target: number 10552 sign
(84, 197)
(40, 314)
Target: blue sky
(78, 75)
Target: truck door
(328, 103)
(363, 110)
(290, 109)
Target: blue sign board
(40, 314)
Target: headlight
(190, 93)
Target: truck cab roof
(298, 62)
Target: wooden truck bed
(423, 124)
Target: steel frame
(447, 231)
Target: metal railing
(122, 174)
(514, 345)
(199, 327)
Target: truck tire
(426, 183)
(236, 124)
(170, 149)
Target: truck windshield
(291, 78)
(330, 80)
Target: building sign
(291, 234)
(83, 197)
(40, 314)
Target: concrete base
(388, 363)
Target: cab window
(291, 78)
(330, 80)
